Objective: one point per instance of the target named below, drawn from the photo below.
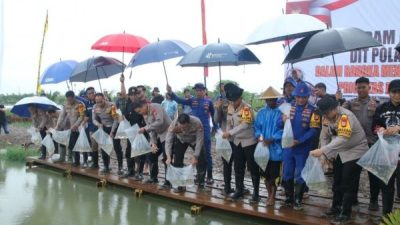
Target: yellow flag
(46, 27)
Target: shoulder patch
(246, 115)
(344, 127)
(114, 111)
(81, 109)
(315, 121)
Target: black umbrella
(397, 47)
(330, 42)
(96, 68)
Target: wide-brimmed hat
(270, 93)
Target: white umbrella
(285, 27)
(21, 107)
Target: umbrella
(397, 47)
(330, 42)
(58, 72)
(158, 52)
(21, 107)
(219, 54)
(96, 68)
(285, 27)
(122, 42)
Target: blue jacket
(202, 108)
(265, 125)
(286, 100)
(300, 118)
(88, 113)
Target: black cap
(320, 85)
(233, 92)
(155, 89)
(394, 85)
(69, 94)
(199, 86)
(131, 90)
(327, 103)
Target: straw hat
(270, 93)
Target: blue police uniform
(202, 108)
(294, 158)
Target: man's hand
(168, 161)
(268, 142)
(176, 130)
(218, 103)
(390, 131)
(74, 128)
(100, 126)
(154, 148)
(226, 135)
(169, 89)
(141, 130)
(295, 142)
(284, 117)
(112, 135)
(122, 78)
(194, 160)
(316, 153)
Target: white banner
(381, 65)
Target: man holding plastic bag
(304, 123)
(183, 132)
(386, 120)
(39, 121)
(157, 124)
(270, 136)
(240, 133)
(343, 139)
(70, 118)
(105, 117)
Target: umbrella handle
(165, 72)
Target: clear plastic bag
(222, 146)
(313, 175)
(287, 136)
(49, 144)
(180, 176)
(140, 146)
(123, 126)
(261, 155)
(61, 137)
(82, 143)
(381, 159)
(132, 132)
(36, 138)
(103, 140)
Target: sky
(74, 25)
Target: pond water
(40, 196)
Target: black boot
(256, 186)
(345, 215)
(289, 188)
(298, 196)
(153, 173)
(42, 153)
(239, 189)
(95, 160)
(77, 157)
(210, 179)
(131, 170)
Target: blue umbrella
(58, 72)
(96, 68)
(21, 107)
(219, 54)
(158, 52)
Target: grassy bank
(15, 152)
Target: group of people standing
(336, 131)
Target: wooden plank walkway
(313, 212)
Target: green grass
(16, 152)
(25, 124)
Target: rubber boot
(256, 187)
(210, 179)
(239, 189)
(289, 187)
(77, 157)
(42, 153)
(70, 155)
(298, 196)
(153, 173)
(345, 215)
(62, 151)
(95, 160)
(131, 170)
(119, 161)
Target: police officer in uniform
(241, 135)
(157, 124)
(70, 118)
(364, 107)
(105, 117)
(90, 128)
(304, 121)
(202, 108)
(343, 139)
(183, 132)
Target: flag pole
(46, 24)
(204, 36)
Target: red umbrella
(120, 43)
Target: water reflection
(40, 196)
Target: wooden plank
(314, 207)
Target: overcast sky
(74, 25)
